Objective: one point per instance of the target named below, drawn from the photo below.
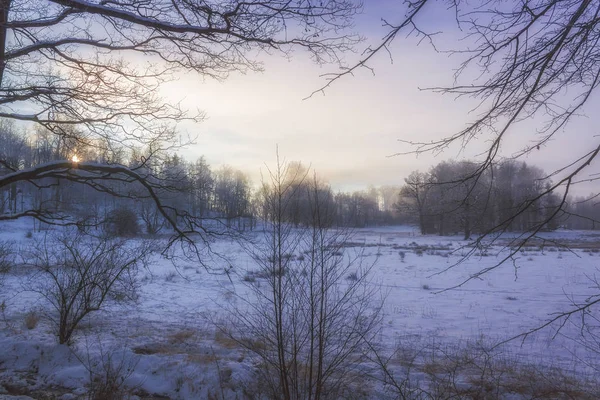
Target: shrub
(122, 222)
(78, 273)
(108, 372)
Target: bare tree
(413, 198)
(203, 183)
(231, 195)
(312, 310)
(153, 221)
(78, 273)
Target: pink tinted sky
(348, 134)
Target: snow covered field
(168, 347)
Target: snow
(169, 345)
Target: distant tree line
(450, 198)
(454, 197)
(185, 188)
(584, 213)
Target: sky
(349, 134)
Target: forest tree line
(454, 197)
(186, 188)
(449, 198)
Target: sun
(75, 159)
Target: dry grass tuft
(475, 372)
(225, 340)
(31, 319)
(181, 336)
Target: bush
(122, 222)
(78, 273)
(109, 371)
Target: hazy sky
(348, 134)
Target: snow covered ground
(169, 348)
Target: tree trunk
(467, 221)
(4, 8)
